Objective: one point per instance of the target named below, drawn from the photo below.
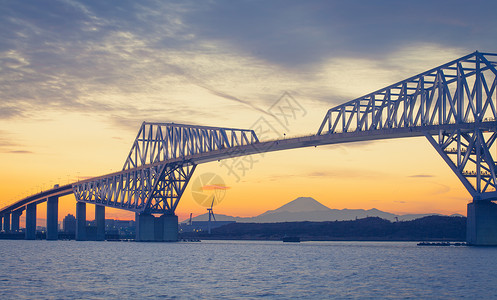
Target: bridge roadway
(57, 191)
(314, 140)
(267, 146)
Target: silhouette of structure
(211, 216)
(453, 106)
(69, 224)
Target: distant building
(116, 228)
(69, 224)
(123, 228)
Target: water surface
(243, 269)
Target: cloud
(20, 152)
(294, 33)
(335, 173)
(9, 111)
(214, 187)
(421, 176)
(6, 140)
(132, 117)
(108, 59)
(8, 144)
(233, 98)
(439, 189)
(56, 54)
(99, 62)
(347, 173)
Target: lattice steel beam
(155, 189)
(158, 167)
(460, 92)
(469, 156)
(157, 142)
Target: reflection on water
(243, 269)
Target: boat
(435, 244)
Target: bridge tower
(455, 107)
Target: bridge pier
(52, 218)
(156, 229)
(145, 227)
(481, 226)
(30, 233)
(80, 221)
(16, 215)
(100, 220)
(6, 222)
(170, 229)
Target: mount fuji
(309, 209)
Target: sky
(77, 79)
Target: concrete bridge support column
(1, 223)
(145, 227)
(80, 221)
(481, 226)
(100, 220)
(16, 215)
(52, 218)
(6, 222)
(161, 229)
(30, 233)
(170, 231)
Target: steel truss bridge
(453, 106)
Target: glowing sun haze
(77, 79)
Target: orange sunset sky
(77, 81)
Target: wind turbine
(211, 214)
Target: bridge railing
(461, 91)
(158, 142)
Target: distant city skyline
(78, 78)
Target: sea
(244, 270)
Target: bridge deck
(38, 198)
(315, 140)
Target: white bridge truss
(158, 142)
(459, 93)
(158, 167)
